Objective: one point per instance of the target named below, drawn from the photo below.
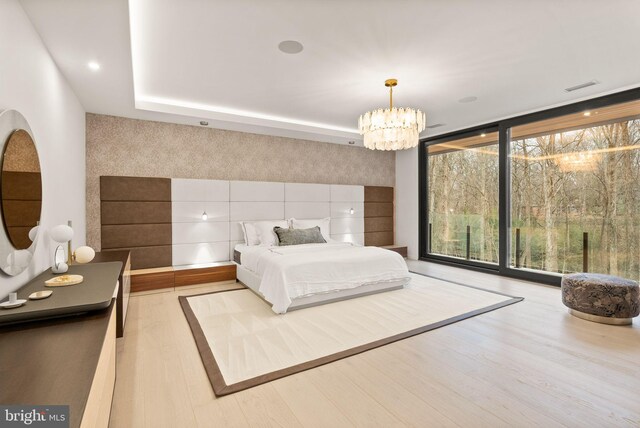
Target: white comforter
(304, 270)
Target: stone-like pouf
(601, 298)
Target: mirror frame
(11, 121)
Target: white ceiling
(218, 60)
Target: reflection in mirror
(20, 193)
(21, 189)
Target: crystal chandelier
(391, 128)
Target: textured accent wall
(138, 148)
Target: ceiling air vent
(435, 125)
(582, 86)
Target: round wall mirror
(20, 193)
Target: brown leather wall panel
(378, 194)
(21, 213)
(135, 189)
(135, 235)
(22, 185)
(135, 215)
(135, 212)
(202, 276)
(378, 216)
(378, 224)
(378, 239)
(378, 209)
(149, 257)
(151, 281)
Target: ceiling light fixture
(586, 113)
(391, 128)
(352, 142)
(93, 66)
(483, 135)
(291, 47)
(204, 123)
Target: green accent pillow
(299, 236)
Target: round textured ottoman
(601, 298)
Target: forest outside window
(539, 195)
(575, 193)
(463, 198)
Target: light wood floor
(529, 364)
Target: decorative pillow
(322, 223)
(250, 233)
(299, 236)
(266, 234)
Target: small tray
(11, 305)
(64, 280)
(39, 295)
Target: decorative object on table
(83, 254)
(39, 295)
(601, 298)
(13, 302)
(392, 128)
(62, 234)
(20, 190)
(64, 280)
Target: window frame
(503, 127)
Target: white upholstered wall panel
(191, 212)
(256, 211)
(303, 192)
(205, 231)
(347, 225)
(256, 191)
(303, 210)
(199, 190)
(345, 193)
(343, 209)
(229, 202)
(198, 253)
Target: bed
(299, 276)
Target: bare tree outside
(568, 187)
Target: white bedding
(303, 270)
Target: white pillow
(250, 233)
(265, 231)
(324, 224)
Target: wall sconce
(351, 211)
(204, 216)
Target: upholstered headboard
(161, 219)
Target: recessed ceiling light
(467, 100)
(204, 123)
(94, 66)
(483, 135)
(586, 113)
(290, 47)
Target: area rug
(242, 343)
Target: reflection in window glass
(463, 198)
(575, 199)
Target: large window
(539, 195)
(463, 198)
(575, 193)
